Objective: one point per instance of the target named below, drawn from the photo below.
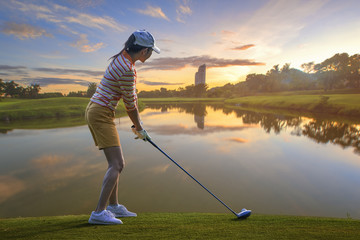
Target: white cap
(145, 39)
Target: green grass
(17, 109)
(182, 226)
(42, 108)
(342, 104)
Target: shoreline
(347, 105)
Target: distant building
(200, 76)
(200, 120)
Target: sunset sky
(63, 45)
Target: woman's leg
(110, 183)
(113, 200)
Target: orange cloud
(24, 31)
(82, 44)
(153, 12)
(227, 33)
(183, 10)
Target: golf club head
(243, 214)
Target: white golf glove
(142, 134)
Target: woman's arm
(135, 118)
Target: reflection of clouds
(225, 149)
(48, 172)
(23, 133)
(355, 163)
(94, 151)
(228, 148)
(159, 169)
(149, 114)
(9, 186)
(50, 160)
(184, 129)
(237, 140)
(55, 167)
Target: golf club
(241, 215)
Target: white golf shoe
(120, 211)
(104, 217)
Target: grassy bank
(14, 109)
(182, 226)
(18, 109)
(339, 104)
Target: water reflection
(264, 162)
(44, 123)
(341, 134)
(318, 129)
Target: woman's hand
(141, 134)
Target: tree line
(338, 72)
(14, 90)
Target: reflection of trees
(320, 130)
(199, 115)
(269, 122)
(341, 134)
(5, 131)
(198, 109)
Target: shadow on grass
(42, 229)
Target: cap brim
(156, 49)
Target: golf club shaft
(152, 143)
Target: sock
(98, 213)
(113, 205)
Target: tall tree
(285, 68)
(354, 71)
(12, 89)
(308, 67)
(189, 90)
(274, 78)
(34, 90)
(2, 87)
(91, 89)
(255, 82)
(333, 71)
(200, 90)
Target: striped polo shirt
(119, 81)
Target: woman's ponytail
(129, 46)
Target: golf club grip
(152, 143)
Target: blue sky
(64, 45)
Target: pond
(269, 162)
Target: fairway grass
(337, 104)
(182, 226)
(20, 109)
(15, 109)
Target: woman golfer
(118, 82)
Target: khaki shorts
(102, 126)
